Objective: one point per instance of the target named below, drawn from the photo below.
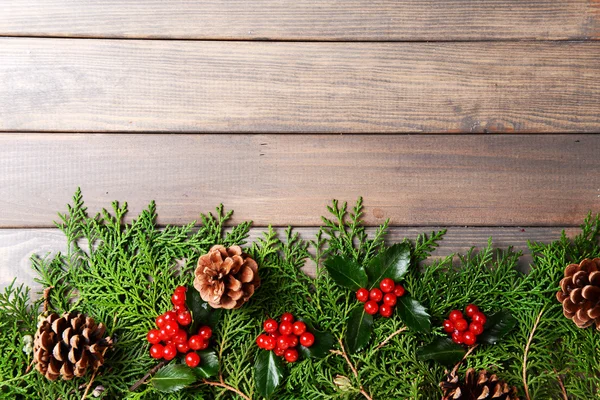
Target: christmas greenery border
(123, 274)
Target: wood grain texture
(415, 180)
(18, 245)
(75, 85)
(305, 19)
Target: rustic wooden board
(18, 245)
(185, 86)
(415, 180)
(305, 19)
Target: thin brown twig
(223, 385)
(89, 385)
(562, 386)
(471, 349)
(46, 296)
(354, 371)
(387, 339)
(139, 383)
(535, 325)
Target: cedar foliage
(123, 273)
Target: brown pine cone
(67, 346)
(477, 386)
(226, 278)
(580, 293)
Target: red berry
(455, 315)
(178, 298)
(179, 308)
(275, 334)
(282, 342)
(285, 327)
(180, 337)
(387, 285)
(386, 311)
(299, 328)
(195, 342)
(371, 307)
(291, 355)
(469, 338)
(390, 299)
(270, 343)
(471, 309)
(457, 337)
(184, 318)
(171, 328)
(260, 341)
(479, 317)
(270, 325)
(461, 325)
(362, 295)
(152, 336)
(292, 340)
(476, 328)
(163, 335)
(160, 321)
(170, 316)
(180, 289)
(192, 359)
(182, 347)
(279, 352)
(399, 290)
(375, 295)
(169, 352)
(448, 326)
(204, 344)
(307, 339)
(287, 317)
(205, 332)
(156, 351)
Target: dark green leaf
(268, 372)
(202, 313)
(323, 343)
(413, 314)
(392, 263)
(497, 326)
(209, 364)
(173, 377)
(358, 331)
(442, 350)
(346, 272)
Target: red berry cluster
(382, 299)
(170, 338)
(282, 338)
(462, 331)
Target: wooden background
(479, 115)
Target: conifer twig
(387, 339)
(354, 371)
(529, 340)
(223, 385)
(562, 386)
(154, 370)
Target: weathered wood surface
(18, 245)
(305, 19)
(187, 86)
(415, 180)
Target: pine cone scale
(480, 386)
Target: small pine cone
(67, 346)
(477, 386)
(226, 278)
(580, 293)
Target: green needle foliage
(123, 274)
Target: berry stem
(354, 371)
(387, 339)
(223, 385)
(529, 340)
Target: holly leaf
(413, 314)
(209, 364)
(358, 331)
(173, 377)
(392, 263)
(320, 348)
(497, 326)
(442, 350)
(202, 312)
(268, 372)
(346, 272)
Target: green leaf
(358, 331)
(392, 263)
(413, 314)
(209, 364)
(323, 343)
(173, 377)
(497, 326)
(346, 272)
(268, 372)
(442, 350)
(202, 312)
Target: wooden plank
(305, 19)
(18, 245)
(120, 85)
(478, 180)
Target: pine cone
(580, 293)
(226, 278)
(477, 386)
(67, 346)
